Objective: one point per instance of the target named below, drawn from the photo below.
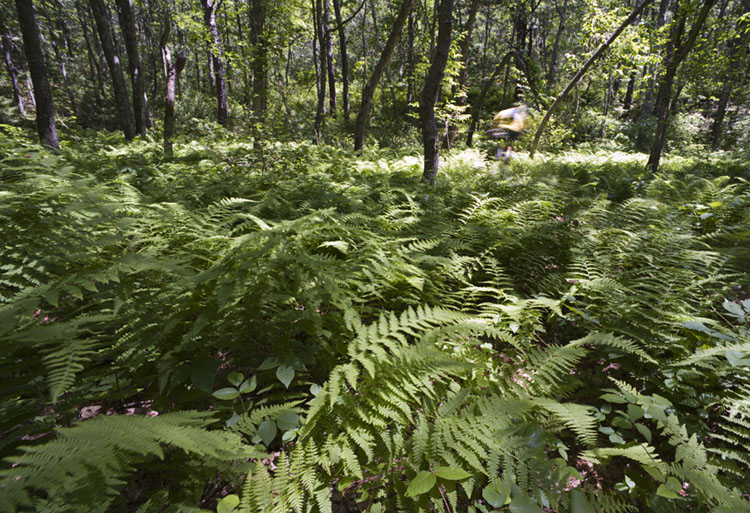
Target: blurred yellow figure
(508, 125)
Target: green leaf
(451, 473)
(634, 412)
(674, 484)
(612, 398)
(228, 504)
(269, 363)
(249, 385)
(287, 420)
(267, 431)
(735, 358)
(646, 432)
(285, 375)
(497, 494)
(666, 492)
(579, 503)
(226, 394)
(522, 504)
(655, 473)
(422, 483)
(235, 378)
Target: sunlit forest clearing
(375, 256)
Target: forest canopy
(283, 256)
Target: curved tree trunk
(32, 43)
(377, 73)
(430, 92)
(115, 68)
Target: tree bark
(32, 43)
(209, 18)
(675, 55)
(738, 48)
(259, 58)
(583, 71)
(463, 78)
(130, 32)
(328, 44)
(430, 92)
(115, 68)
(377, 73)
(61, 63)
(345, 104)
(320, 110)
(8, 47)
(172, 72)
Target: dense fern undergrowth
(300, 329)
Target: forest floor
(173, 275)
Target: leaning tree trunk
(377, 73)
(172, 72)
(674, 59)
(129, 30)
(582, 71)
(7, 47)
(216, 59)
(115, 68)
(45, 108)
(430, 92)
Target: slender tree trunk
(628, 101)
(259, 58)
(216, 59)
(172, 72)
(583, 71)
(130, 32)
(463, 78)
(320, 111)
(328, 46)
(60, 58)
(115, 68)
(430, 92)
(410, 59)
(344, 60)
(7, 47)
(377, 73)
(551, 74)
(32, 43)
(679, 50)
(738, 49)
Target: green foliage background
(305, 330)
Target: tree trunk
(130, 31)
(410, 60)
(738, 48)
(463, 78)
(328, 44)
(209, 18)
(552, 72)
(32, 43)
(115, 68)
(430, 92)
(676, 53)
(8, 47)
(61, 63)
(344, 60)
(377, 73)
(582, 71)
(628, 101)
(321, 69)
(172, 72)
(259, 58)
